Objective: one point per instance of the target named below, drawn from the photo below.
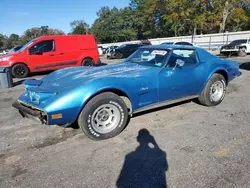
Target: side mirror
(180, 63)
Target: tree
(13, 40)
(79, 27)
(3, 42)
(113, 25)
(226, 8)
(145, 19)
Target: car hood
(71, 77)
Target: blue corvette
(100, 99)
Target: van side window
(43, 46)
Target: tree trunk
(195, 31)
(225, 14)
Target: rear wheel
(242, 52)
(87, 62)
(214, 92)
(104, 116)
(19, 70)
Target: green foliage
(145, 19)
(29, 34)
(79, 27)
(113, 25)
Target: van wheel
(88, 62)
(104, 116)
(19, 70)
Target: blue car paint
(66, 91)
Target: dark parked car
(235, 47)
(110, 50)
(178, 43)
(126, 50)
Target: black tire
(87, 62)
(90, 114)
(20, 70)
(206, 98)
(242, 52)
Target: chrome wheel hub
(217, 91)
(105, 118)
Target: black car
(232, 47)
(126, 50)
(177, 43)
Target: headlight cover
(39, 97)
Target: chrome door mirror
(180, 63)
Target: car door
(177, 82)
(42, 55)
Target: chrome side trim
(164, 103)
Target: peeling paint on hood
(71, 77)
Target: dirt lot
(197, 147)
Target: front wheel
(104, 116)
(214, 92)
(19, 70)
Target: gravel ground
(184, 145)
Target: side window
(188, 56)
(134, 47)
(42, 47)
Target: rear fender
(212, 73)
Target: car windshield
(26, 45)
(239, 41)
(16, 48)
(149, 57)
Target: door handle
(61, 53)
(51, 55)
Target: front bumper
(29, 111)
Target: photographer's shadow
(146, 166)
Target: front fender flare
(111, 88)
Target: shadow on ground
(164, 107)
(245, 66)
(146, 166)
(34, 75)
